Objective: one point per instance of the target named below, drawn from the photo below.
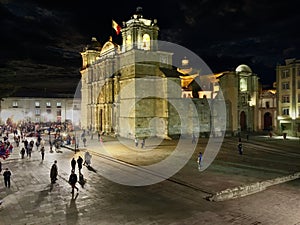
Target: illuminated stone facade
(113, 80)
(288, 97)
(240, 88)
(267, 111)
(140, 67)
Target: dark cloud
(50, 34)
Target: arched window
(243, 84)
(146, 42)
(128, 42)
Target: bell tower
(139, 33)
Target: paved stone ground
(179, 200)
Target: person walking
(87, 159)
(136, 141)
(54, 172)
(84, 142)
(73, 164)
(73, 181)
(43, 152)
(79, 163)
(143, 143)
(240, 148)
(29, 151)
(6, 176)
(199, 160)
(22, 153)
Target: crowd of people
(28, 138)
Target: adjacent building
(267, 111)
(288, 97)
(40, 109)
(241, 90)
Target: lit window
(146, 42)
(243, 84)
(285, 111)
(48, 104)
(37, 104)
(58, 104)
(15, 104)
(129, 42)
(285, 99)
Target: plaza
(180, 199)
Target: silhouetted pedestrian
(22, 153)
(73, 181)
(43, 152)
(79, 163)
(73, 164)
(6, 176)
(54, 172)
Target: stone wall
(248, 189)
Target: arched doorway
(267, 121)
(243, 121)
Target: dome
(95, 45)
(243, 69)
(109, 46)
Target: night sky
(41, 40)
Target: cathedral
(133, 90)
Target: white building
(40, 109)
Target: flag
(116, 26)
